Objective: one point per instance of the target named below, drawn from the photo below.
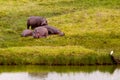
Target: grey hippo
(35, 21)
(26, 33)
(40, 32)
(52, 30)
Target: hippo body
(35, 21)
(53, 30)
(26, 33)
(40, 32)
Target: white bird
(111, 52)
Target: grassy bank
(93, 25)
(47, 55)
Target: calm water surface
(59, 73)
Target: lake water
(59, 73)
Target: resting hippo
(35, 21)
(40, 32)
(53, 30)
(26, 33)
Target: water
(59, 73)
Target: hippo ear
(44, 23)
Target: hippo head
(44, 22)
(36, 34)
(26, 33)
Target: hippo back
(35, 21)
(40, 32)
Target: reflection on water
(59, 73)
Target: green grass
(48, 55)
(91, 24)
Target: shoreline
(49, 55)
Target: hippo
(26, 33)
(35, 21)
(40, 32)
(52, 30)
